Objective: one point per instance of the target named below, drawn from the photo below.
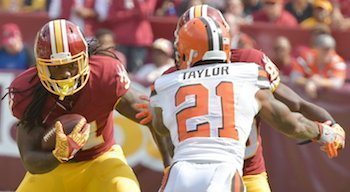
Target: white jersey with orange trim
(209, 110)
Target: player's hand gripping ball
(66, 136)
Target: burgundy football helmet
(60, 43)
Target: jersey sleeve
(263, 81)
(272, 72)
(123, 81)
(110, 78)
(155, 97)
(16, 103)
(21, 92)
(170, 70)
(258, 57)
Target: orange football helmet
(202, 39)
(59, 43)
(198, 11)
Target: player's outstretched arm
(161, 130)
(297, 104)
(128, 107)
(297, 126)
(157, 122)
(279, 116)
(34, 159)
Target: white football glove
(331, 138)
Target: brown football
(68, 121)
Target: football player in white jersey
(207, 107)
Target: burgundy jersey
(254, 161)
(108, 81)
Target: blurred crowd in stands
(314, 67)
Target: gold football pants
(256, 183)
(108, 172)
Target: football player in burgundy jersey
(254, 171)
(67, 80)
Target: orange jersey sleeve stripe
(262, 75)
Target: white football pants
(186, 176)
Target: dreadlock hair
(32, 114)
(96, 48)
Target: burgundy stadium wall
(263, 33)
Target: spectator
(185, 5)
(317, 30)
(282, 56)
(320, 68)
(320, 29)
(235, 7)
(217, 4)
(239, 39)
(251, 6)
(300, 9)
(167, 8)
(343, 5)
(13, 53)
(85, 13)
(322, 10)
(22, 5)
(162, 59)
(130, 23)
(339, 22)
(106, 39)
(272, 12)
(10, 6)
(34, 5)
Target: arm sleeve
(263, 81)
(111, 78)
(122, 81)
